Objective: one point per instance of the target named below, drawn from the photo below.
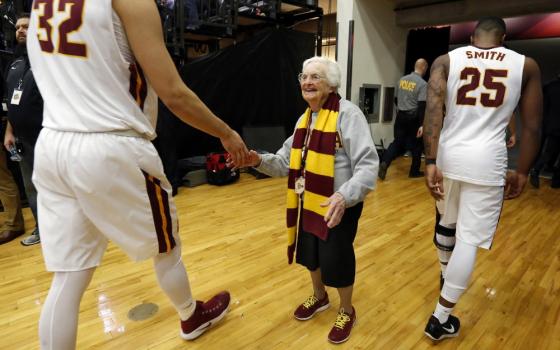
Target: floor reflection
(109, 318)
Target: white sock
(442, 313)
(186, 310)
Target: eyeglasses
(313, 77)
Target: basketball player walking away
(466, 159)
(98, 176)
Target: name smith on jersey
(486, 55)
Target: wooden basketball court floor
(234, 238)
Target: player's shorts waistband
(125, 133)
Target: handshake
(239, 155)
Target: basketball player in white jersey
(466, 159)
(98, 176)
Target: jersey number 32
(73, 9)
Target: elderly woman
(331, 165)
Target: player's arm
(421, 110)
(9, 137)
(530, 107)
(141, 22)
(433, 116)
(433, 121)
(512, 132)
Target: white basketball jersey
(85, 70)
(483, 89)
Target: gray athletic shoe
(32, 239)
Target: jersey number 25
(74, 10)
(488, 82)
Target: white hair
(332, 70)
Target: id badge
(16, 97)
(299, 185)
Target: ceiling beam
(414, 14)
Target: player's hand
(515, 182)
(420, 132)
(337, 206)
(511, 141)
(253, 160)
(9, 140)
(235, 146)
(434, 181)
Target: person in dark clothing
(167, 129)
(7, 23)
(551, 133)
(12, 225)
(411, 103)
(25, 116)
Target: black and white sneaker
(437, 331)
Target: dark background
(251, 84)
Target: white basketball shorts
(95, 187)
(475, 209)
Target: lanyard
(26, 68)
(305, 147)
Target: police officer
(411, 103)
(25, 116)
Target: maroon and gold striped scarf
(319, 172)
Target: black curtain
(427, 43)
(253, 83)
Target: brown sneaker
(9, 235)
(342, 326)
(311, 306)
(205, 316)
